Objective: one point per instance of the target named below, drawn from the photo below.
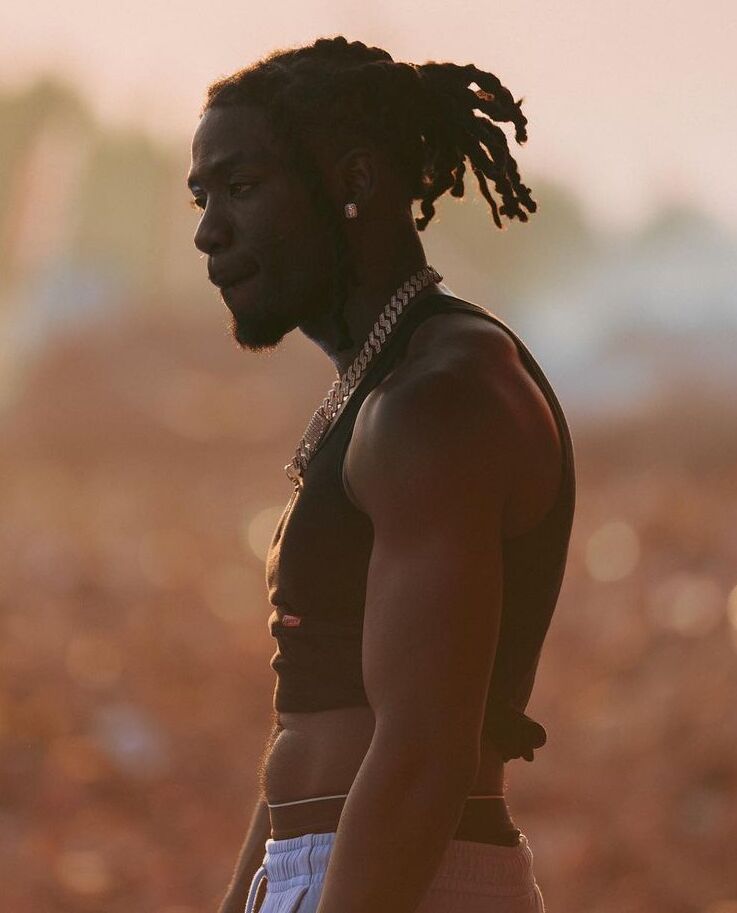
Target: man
(416, 566)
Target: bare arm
(252, 850)
(435, 487)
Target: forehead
(226, 136)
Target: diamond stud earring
(351, 210)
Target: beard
(258, 331)
(267, 313)
(259, 319)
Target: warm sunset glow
(628, 104)
(141, 466)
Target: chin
(256, 337)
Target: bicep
(430, 633)
(435, 495)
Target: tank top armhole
(536, 372)
(342, 481)
(394, 355)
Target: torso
(319, 753)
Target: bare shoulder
(461, 405)
(459, 334)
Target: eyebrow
(225, 161)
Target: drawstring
(345, 796)
(253, 890)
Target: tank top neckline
(538, 375)
(379, 358)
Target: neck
(365, 310)
(381, 268)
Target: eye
(198, 203)
(242, 184)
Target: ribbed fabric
(471, 878)
(318, 559)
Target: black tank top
(317, 565)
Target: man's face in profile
(265, 248)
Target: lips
(238, 283)
(236, 286)
(223, 281)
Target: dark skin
(457, 441)
(258, 216)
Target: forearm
(396, 824)
(249, 859)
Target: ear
(356, 175)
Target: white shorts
(472, 878)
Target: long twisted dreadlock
(335, 91)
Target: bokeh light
(141, 467)
(83, 871)
(259, 529)
(612, 551)
(690, 604)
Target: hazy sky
(629, 103)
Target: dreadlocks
(335, 91)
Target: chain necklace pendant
(344, 386)
(294, 475)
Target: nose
(213, 232)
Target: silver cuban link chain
(343, 387)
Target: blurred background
(141, 462)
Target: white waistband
(344, 795)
